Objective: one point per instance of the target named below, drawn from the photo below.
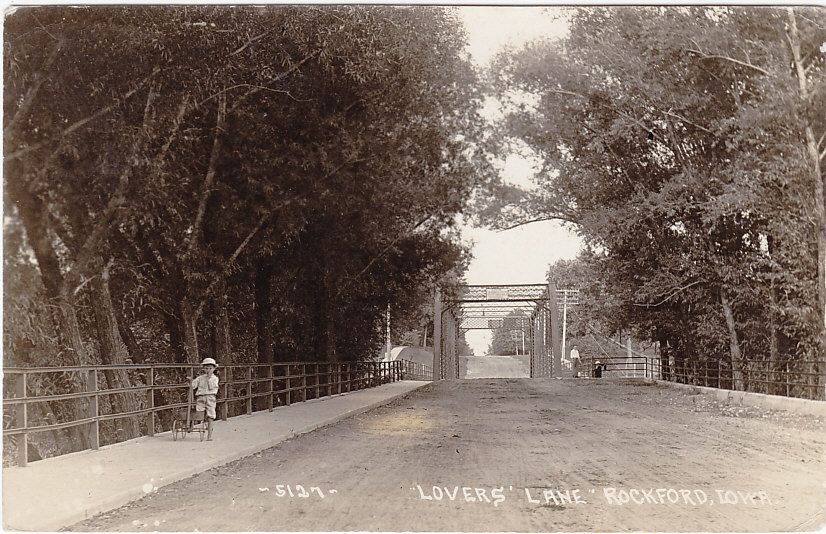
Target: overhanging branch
(557, 217)
(670, 295)
(17, 154)
(31, 94)
(703, 55)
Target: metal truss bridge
(532, 309)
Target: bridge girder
(481, 307)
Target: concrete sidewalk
(57, 492)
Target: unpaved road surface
(495, 367)
(517, 446)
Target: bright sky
(520, 255)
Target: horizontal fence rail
(157, 390)
(790, 379)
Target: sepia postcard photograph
(414, 268)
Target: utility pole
(387, 348)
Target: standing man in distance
(575, 362)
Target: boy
(206, 392)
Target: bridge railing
(789, 379)
(796, 378)
(620, 367)
(84, 397)
(415, 371)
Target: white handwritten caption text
(497, 495)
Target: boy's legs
(210, 414)
(200, 407)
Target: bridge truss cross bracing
(529, 308)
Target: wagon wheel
(178, 428)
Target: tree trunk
(263, 312)
(330, 341)
(818, 187)
(189, 331)
(176, 336)
(772, 366)
(111, 353)
(319, 316)
(129, 339)
(221, 343)
(734, 343)
(33, 214)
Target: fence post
(92, 386)
(23, 439)
(248, 376)
(349, 377)
(271, 386)
(787, 378)
(150, 401)
(329, 379)
(304, 382)
(338, 378)
(288, 397)
(225, 405)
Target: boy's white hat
(209, 361)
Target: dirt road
(516, 455)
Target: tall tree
(677, 140)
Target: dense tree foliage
(247, 183)
(685, 144)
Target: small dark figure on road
(206, 392)
(599, 368)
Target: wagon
(188, 420)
